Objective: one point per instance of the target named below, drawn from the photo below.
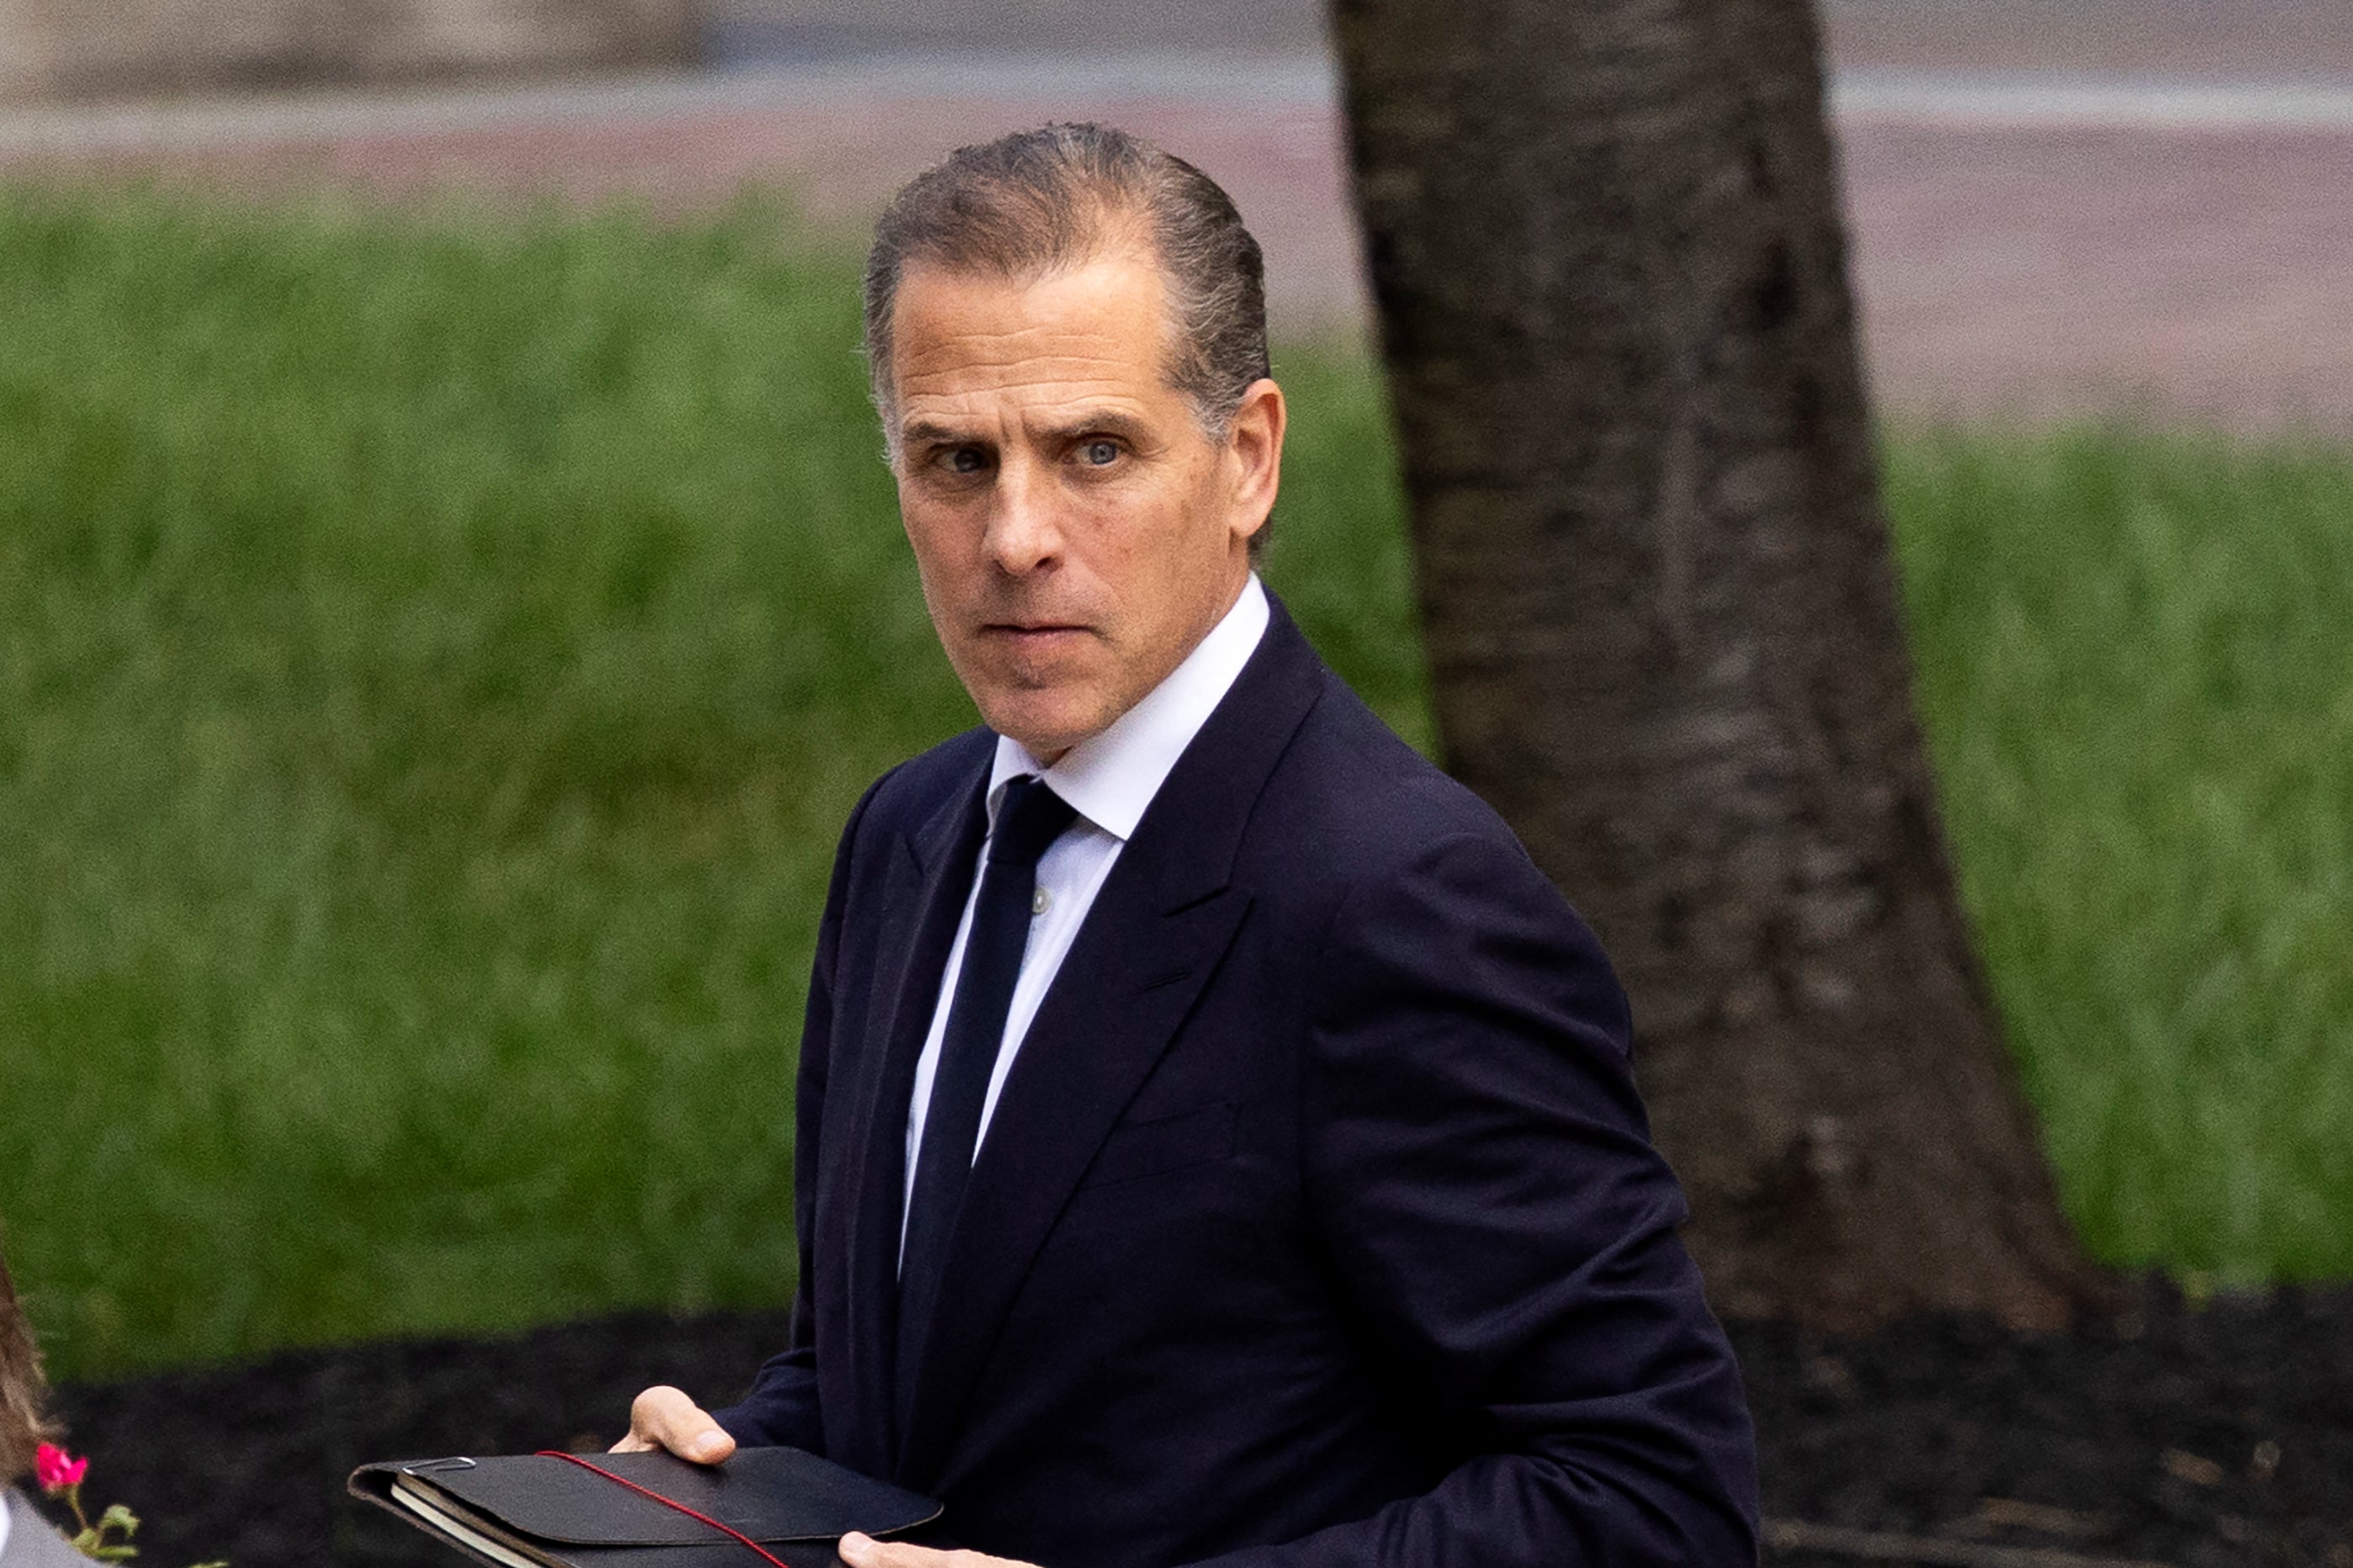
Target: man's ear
(1254, 442)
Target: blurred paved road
(2053, 241)
(2264, 40)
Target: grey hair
(1039, 202)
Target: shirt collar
(1111, 778)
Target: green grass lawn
(436, 657)
(2136, 661)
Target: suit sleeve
(1481, 1173)
(782, 1407)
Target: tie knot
(1031, 818)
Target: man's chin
(1047, 721)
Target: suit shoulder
(1409, 864)
(1367, 799)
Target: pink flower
(56, 1469)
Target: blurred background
(2057, 206)
(450, 599)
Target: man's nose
(1025, 531)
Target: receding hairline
(1121, 235)
(1125, 237)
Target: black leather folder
(533, 1510)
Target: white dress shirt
(1109, 779)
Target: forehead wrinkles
(1037, 392)
(1065, 383)
(1108, 315)
(977, 362)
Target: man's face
(1076, 531)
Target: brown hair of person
(1037, 201)
(23, 1389)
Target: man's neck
(1111, 776)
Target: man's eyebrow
(924, 433)
(1101, 422)
(1093, 422)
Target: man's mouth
(1024, 632)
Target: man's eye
(964, 460)
(1099, 454)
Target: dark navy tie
(1029, 817)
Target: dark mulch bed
(2176, 1436)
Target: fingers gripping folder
(642, 1511)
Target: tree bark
(1664, 630)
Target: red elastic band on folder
(667, 1502)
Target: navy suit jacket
(1318, 1222)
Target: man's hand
(663, 1417)
(865, 1552)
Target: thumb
(708, 1447)
(666, 1418)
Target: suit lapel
(930, 876)
(1163, 920)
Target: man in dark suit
(1217, 1140)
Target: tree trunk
(1663, 625)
